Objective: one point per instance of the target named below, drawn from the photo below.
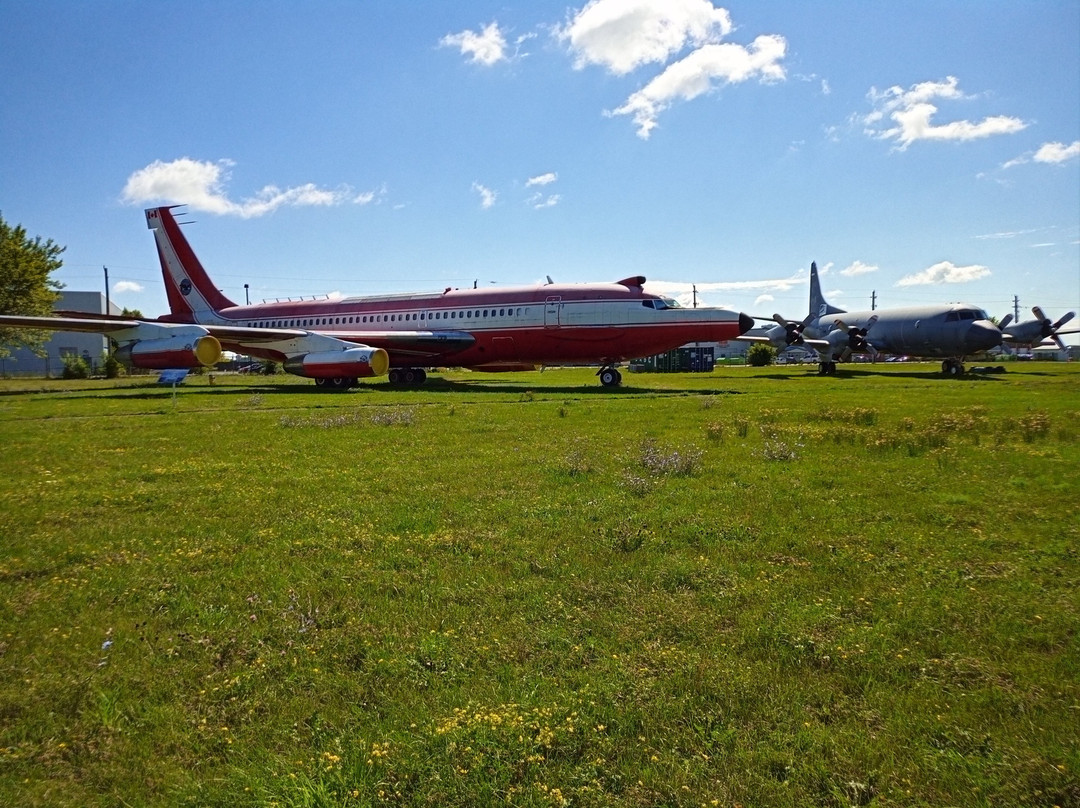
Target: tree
(133, 314)
(760, 355)
(25, 285)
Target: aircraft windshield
(661, 303)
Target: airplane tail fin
(818, 305)
(191, 292)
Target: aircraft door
(552, 311)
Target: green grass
(753, 587)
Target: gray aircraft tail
(818, 305)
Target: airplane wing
(91, 325)
(409, 346)
(806, 341)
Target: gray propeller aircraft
(1032, 333)
(952, 332)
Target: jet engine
(357, 363)
(171, 352)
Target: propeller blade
(1005, 322)
(1059, 341)
(1068, 316)
(1038, 312)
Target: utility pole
(247, 300)
(1016, 308)
(107, 309)
(873, 300)
(695, 295)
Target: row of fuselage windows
(368, 319)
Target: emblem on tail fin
(185, 287)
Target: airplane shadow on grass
(853, 373)
(433, 386)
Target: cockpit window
(661, 303)
(967, 314)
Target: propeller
(793, 331)
(1050, 330)
(1005, 322)
(856, 339)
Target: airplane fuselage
(610, 322)
(954, 330)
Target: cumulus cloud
(486, 47)
(763, 299)
(621, 35)
(127, 286)
(858, 268)
(542, 179)
(201, 186)
(487, 196)
(945, 272)
(910, 111)
(690, 77)
(1057, 152)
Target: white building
(23, 362)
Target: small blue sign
(173, 376)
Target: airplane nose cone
(981, 336)
(746, 322)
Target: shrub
(75, 367)
(760, 355)
(111, 366)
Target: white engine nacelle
(171, 352)
(360, 363)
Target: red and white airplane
(338, 341)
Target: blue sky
(927, 151)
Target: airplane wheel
(409, 376)
(421, 376)
(322, 382)
(610, 377)
(394, 376)
(341, 383)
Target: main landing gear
(952, 367)
(411, 377)
(609, 376)
(827, 369)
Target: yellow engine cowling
(171, 352)
(360, 363)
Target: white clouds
(945, 272)
(674, 288)
(622, 35)
(1057, 152)
(911, 111)
(539, 201)
(763, 299)
(127, 286)
(1051, 153)
(487, 196)
(694, 75)
(486, 48)
(200, 186)
(542, 179)
(858, 268)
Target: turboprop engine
(171, 352)
(359, 363)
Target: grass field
(752, 587)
